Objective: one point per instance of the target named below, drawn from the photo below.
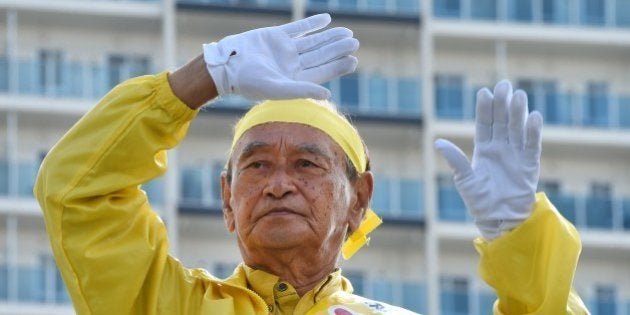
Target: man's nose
(279, 184)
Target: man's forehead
(300, 136)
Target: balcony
(602, 111)
(54, 77)
(398, 200)
(588, 13)
(585, 212)
(404, 10)
(362, 96)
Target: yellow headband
(309, 113)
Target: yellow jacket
(112, 249)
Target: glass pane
(30, 284)
(624, 112)
(447, 8)
(407, 7)
(413, 297)
(358, 281)
(599, 212)
(623, 15)
(410, 198)
(450, 204)
(408, 96)
(26, 179)
(486, 302)
(520, 10)
(593, 12)
(565, 205)
(595, 109)
(454, 294)
(318, 5)
(191, 190)
(4, 282)
(4, 178)
(606, 300)
(555, 11)
(484, 10)
(349, 91)
(376, 6)
(377, 90)
(347, 5)
(381, 202)
(449, 97)
(383, 290)
(4, 74)
(155, 191)
(626, 215)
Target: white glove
(281, 62)
(499, 186)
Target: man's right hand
(282, 62)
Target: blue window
(450, 204)
(376, 6)
(50, 73)
(191, 185)
(626, 214)
(377, 91)
(407, 7)
(555, 11)
(605, 299)
(623, 13)
(624, 112)
(358, 281)
(124, 67)
(30, 284)
(4, 74)
(215, 182)
(349, 91)
(449, 96)
(4, 178)
(595, 109)
(27, 77)
(593, 12)
(4, 283)
(381, 200)
(26, 179)
(383, 290)
(223, 269)
(599, 206)
(154, 190)
(486, 302)
(347, 5)
(408, 96)
(447, 8)
(413, 297)
(454, 296)
(410, 198)
(520, 10)
(484, 10)
(318, 4)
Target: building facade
(421, 63)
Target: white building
(420, 65)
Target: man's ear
(363, 188)
(226, 195)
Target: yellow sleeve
(111, 248)
(532, 267)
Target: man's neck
(295, 267)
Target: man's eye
(255, 165)
(306, 163)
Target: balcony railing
(559, 109)
(67, 79)
(598, 13)
(585, 212)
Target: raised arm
(529, 252)
(111, 248)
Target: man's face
(290, 189)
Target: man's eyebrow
(252, 148)
(314, 149)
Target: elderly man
(296, 191)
